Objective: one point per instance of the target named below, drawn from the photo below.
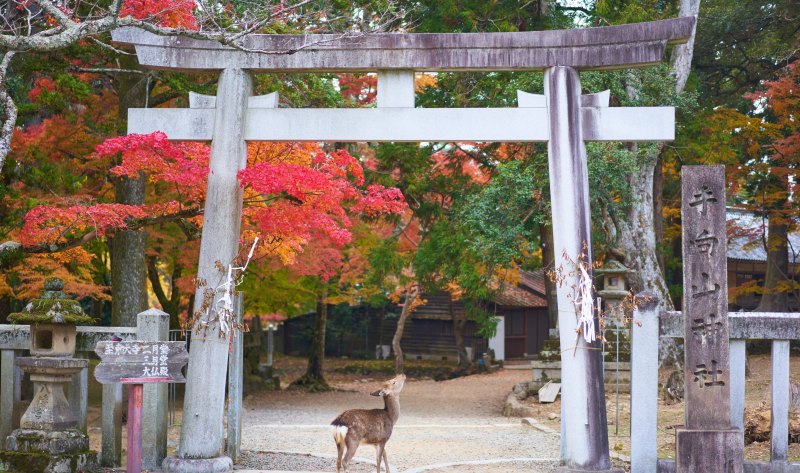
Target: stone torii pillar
(200, 447)
(584, 431)
(563, 118)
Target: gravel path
(441, 424)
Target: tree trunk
(314, 377)
(459, 326)
(776, 296)
(128, 266)
(658, 210)
(171, 304)
(5, 309)
(411, 297)
(636, 236)
(548, 262)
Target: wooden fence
(649, 324)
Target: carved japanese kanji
(705, 328)
(702, 197)
(705, 377)
(707, 432)
(705, 243)
(706, 288)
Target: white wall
(498, 342)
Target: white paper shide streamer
(224, 305)
(583, 306)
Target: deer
(371, 426)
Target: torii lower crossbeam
(409, 124)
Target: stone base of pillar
(566, 469)
(197, 465)
(709, 451)
(47, 451)
(50, 441)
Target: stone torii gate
(562, 117)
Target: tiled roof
(744, 237)
(515, 296)
(533, 280)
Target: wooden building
(747, 259)
(364, 332)
(522, 328)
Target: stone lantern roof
(612, 268)
(53, 307)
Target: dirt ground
(670, 416)
(441, 424)
(449, 421)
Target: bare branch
(35, 31)
(109, 70)
(9, 112)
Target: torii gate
(562, 117)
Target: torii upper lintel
(612, 47)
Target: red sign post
(135, 363)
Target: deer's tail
(339, 431)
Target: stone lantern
(614, 289)
(48, 439)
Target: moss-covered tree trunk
(128, 266)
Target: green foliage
(632, 11)
(269, 290)
(485, 322)
(502, 219)
(741, 44)
(466, 16)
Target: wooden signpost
(135, 363)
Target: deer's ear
(377, 393)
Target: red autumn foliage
(295, 194)
(360, 88)
(49, 224)
(39, 85)
(167, 13)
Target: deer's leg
(386, 460)
(352, 445)
(340, 452)
(379, 454)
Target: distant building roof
(744, 237)
(529, 292)
(516, 296)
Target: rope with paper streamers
(577, 275)
(224, 305)
(584, 305)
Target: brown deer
(373, 426)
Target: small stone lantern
(53, 319)
(48, 440)
(614, 288)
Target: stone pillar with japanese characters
(708, 442)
